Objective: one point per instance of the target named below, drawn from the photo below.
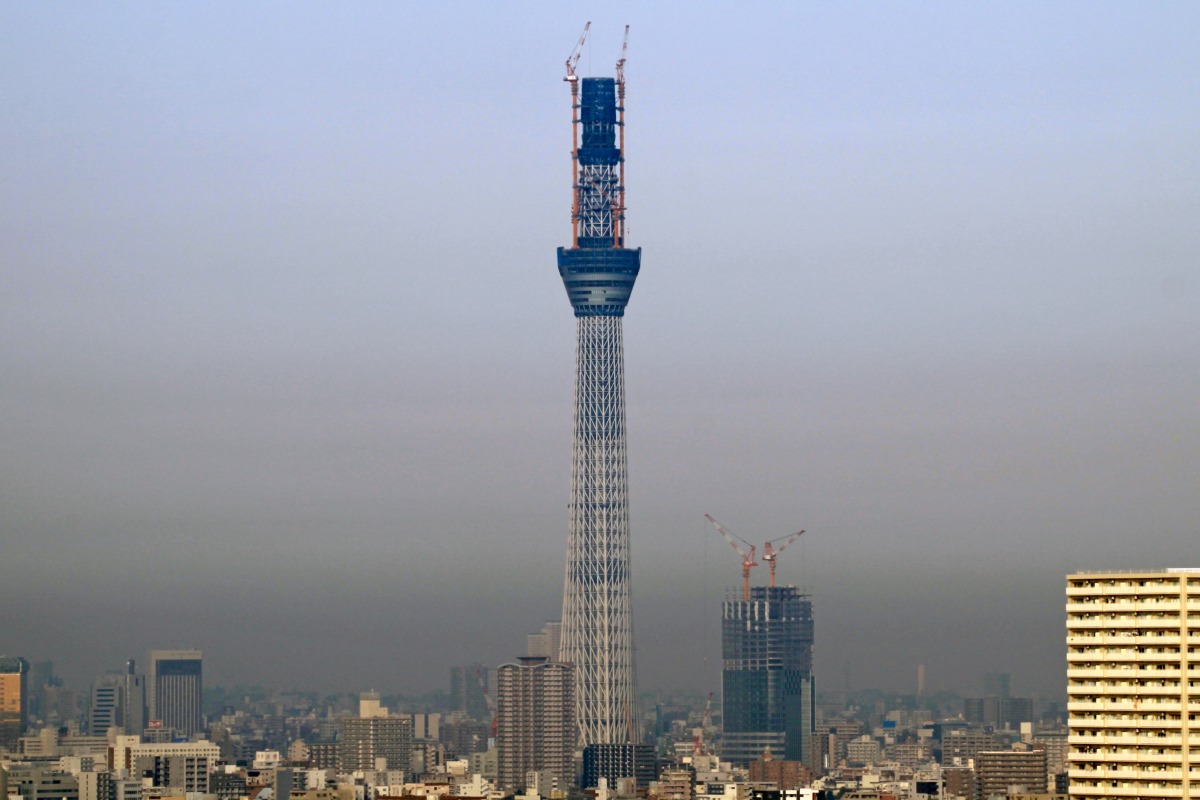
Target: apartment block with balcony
(1133, 683)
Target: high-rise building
(469, 687)
(369, 743)
(135, 718)
(598, 272)
(108, 704)
(176, 690)
(1133, 665)
(14, 700)
(766, 677)
(535, 721)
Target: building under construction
(766, 676)
(598, 271)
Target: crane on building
(770, 552)
(573, 59)
(573, 80)
(748, 561)
(619, 200)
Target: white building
(1133, 683)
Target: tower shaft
(598, 273)
(597, 621)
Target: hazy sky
(286, 364)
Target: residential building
(999, 772)
(535, 721)
(375, 743)
(1133, 665)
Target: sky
(286, 364)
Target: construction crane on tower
(573, 59)
(770, 552)
(748, 561)
(619, 200)
(573, 80)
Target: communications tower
(598, 272)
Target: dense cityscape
(566, 717)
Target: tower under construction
(598, 272)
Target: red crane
(748, 561)
(619, 201)
(770, 553)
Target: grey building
(366, 740)
(107, 708)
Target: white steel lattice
(597, 196)
(597, 627)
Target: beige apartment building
(1133, 684)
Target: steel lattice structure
(599, 272)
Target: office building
(14, 700)
(766, 677)
(175, 691)
(1133, 665)
(598, 272)
(108, 704)
(134, 717)
(535, 721)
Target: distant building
(998, 712)
(14, 700)
(766, 678)
(999, 772)
(781, 772)
(41, 782)
(176, 688)
(1132, 643)
(535, 716)
(618, 762)
(546, 642)
(108, 704)
(134, 717)
(469, 688)
(960, 745)
(959, 782)
(375, 743)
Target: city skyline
(924, 286)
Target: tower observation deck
(598, 272)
